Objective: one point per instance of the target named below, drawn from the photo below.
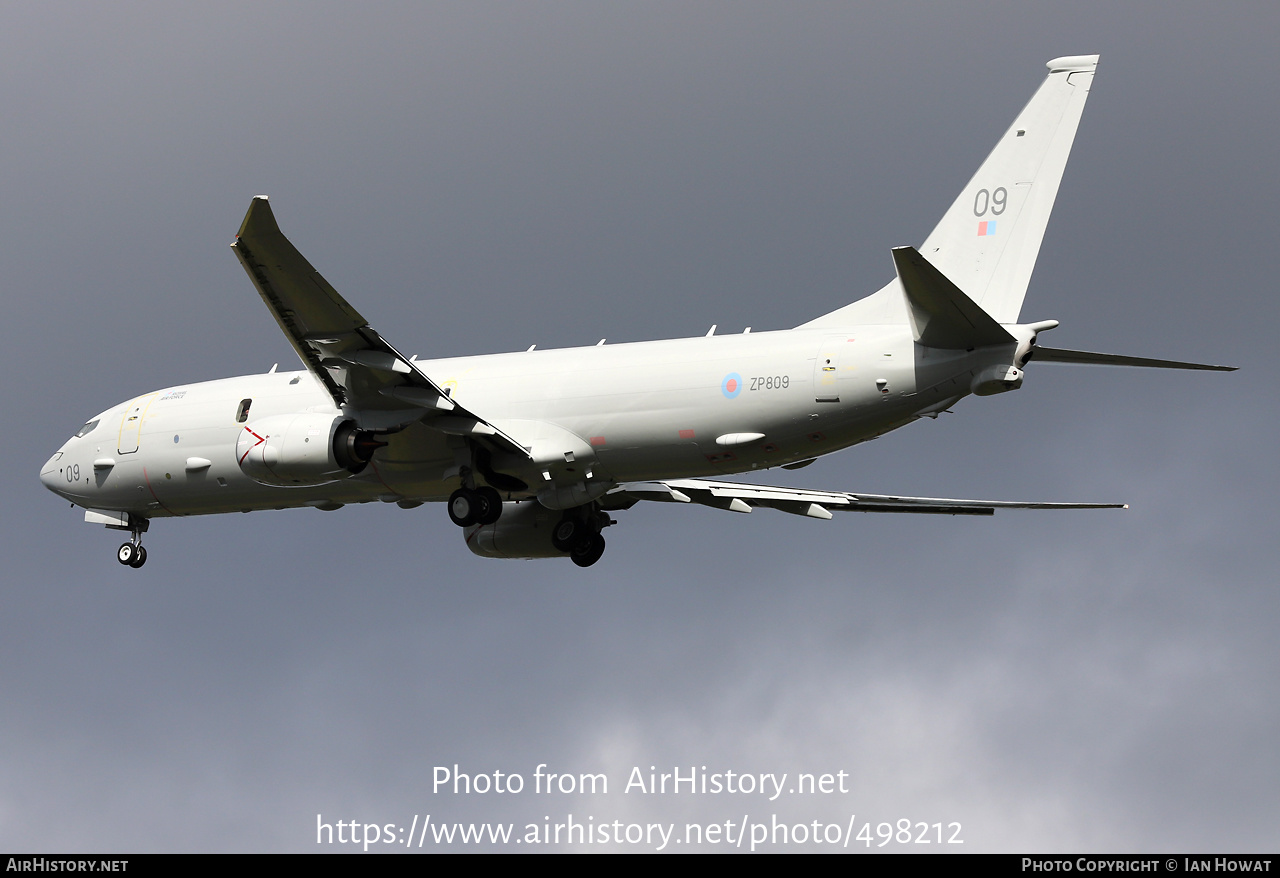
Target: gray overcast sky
(479, 177)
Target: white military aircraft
(533, 451)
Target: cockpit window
(242, 413)
(87, 429)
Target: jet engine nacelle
(303, 449)
(523, 531)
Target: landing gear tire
(588, 552)
(139, 557)
(492, 501)
(127, 554)
(465, 507)
(479, 506)
(569, 533)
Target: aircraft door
(131, 423)
(826, 369)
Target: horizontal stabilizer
(941, 315)
(1088, 358)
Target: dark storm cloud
(483, 178)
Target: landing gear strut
(132, 553)
(471, 505)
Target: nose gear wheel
(132, 554)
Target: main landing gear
(468, 506)
(523, 533)
(581, 537)
(132, 553)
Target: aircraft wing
(361, 370)
(737, 497)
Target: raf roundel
(731, 386)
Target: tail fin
(987, 242)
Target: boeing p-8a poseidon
(533, 451)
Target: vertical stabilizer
(988, 240)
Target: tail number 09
(995, 201)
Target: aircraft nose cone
(50, 476)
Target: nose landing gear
(132, 553)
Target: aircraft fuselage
(622, 412)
